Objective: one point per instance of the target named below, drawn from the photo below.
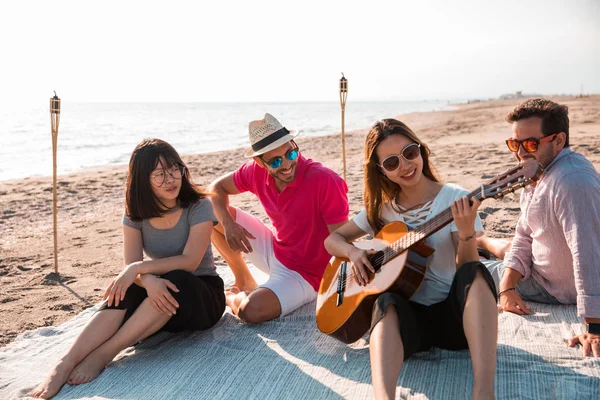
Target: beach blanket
(289, 358)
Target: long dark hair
(140, 200)
(378, 188)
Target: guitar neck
(426, 229)
(515, 178)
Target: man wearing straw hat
(304, 200)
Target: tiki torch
(343, 96)
(54, 120)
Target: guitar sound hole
(377, 260)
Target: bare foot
(88, 369)
(53, 382)
(234, 298)
(483, 394)
(231, 292)
(497, 246)
(247, 285)
(232, 289)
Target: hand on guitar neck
(464, 213)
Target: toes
(74, 378)
(37, 392)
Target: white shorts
(289, 286)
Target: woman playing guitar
(455, 306)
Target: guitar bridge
(341, 285)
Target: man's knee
(253, 312)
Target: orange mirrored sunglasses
(530, 145)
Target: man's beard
(289, 179)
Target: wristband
(506, 290)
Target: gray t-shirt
(163, 243)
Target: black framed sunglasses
(530, 145)
(409, 153)
(276, 162)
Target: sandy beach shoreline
(467, 147)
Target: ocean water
(94, 134)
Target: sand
(467, 148)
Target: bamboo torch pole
(343, 96)
(54, 120)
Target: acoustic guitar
(344, 308)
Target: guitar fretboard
(422, 231)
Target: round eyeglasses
(409, 153)
(160, 177)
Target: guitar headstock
(515, 178)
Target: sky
(272, 51)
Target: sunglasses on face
(277, 161)
(409, 153)
(530, 145)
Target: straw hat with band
(267, 134)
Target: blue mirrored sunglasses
(277, 161)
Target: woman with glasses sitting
(455, 306)
(176, 288)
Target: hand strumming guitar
(360, 264)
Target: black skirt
(201, 301)
(440, 324)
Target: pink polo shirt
(300, 213)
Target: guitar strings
(417, 234)
(412, 237)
